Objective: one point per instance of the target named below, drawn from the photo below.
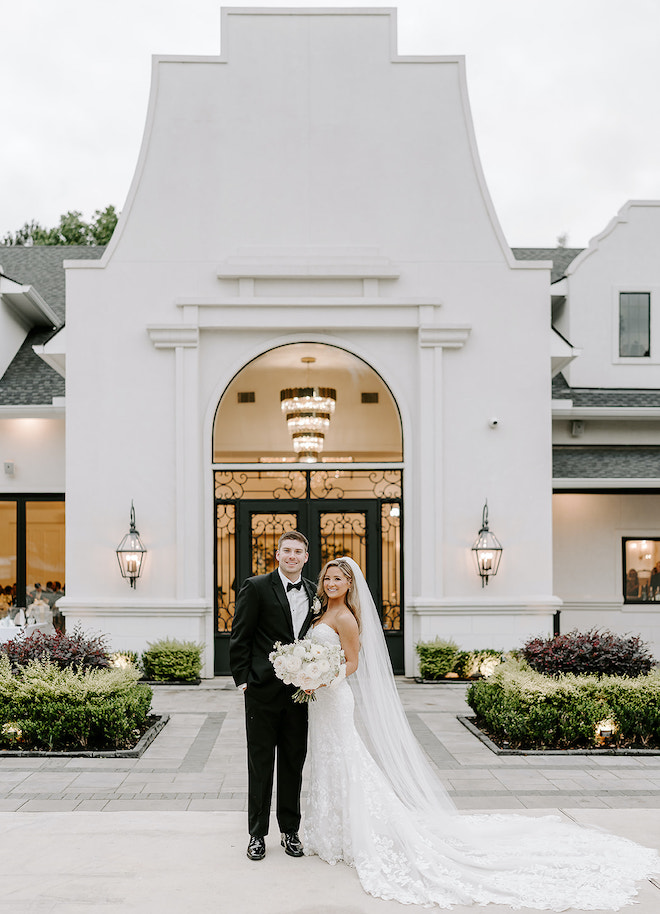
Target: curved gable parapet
(624, 216)
(310, 129)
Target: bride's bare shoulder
(346, 620)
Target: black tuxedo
(273, 720)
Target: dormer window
(634, 324)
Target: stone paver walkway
(197, 763)
(166, 833)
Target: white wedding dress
(437, 856)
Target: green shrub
(439, 657)
(469, 664)
(48, 708)
(170, 659)
(530, 710)
(436, 658)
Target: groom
(269, 608)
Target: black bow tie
(291, 586)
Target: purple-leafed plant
(74, 650)
(598, 652)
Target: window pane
(634, 324)
(7, 555)
(45, 552)
(641, 573)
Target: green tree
(72, 229)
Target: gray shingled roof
(625, 462)
(40, 265)
(560, 257)
(604, 396)
(28, 380)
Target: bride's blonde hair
(351, 598)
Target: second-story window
(634, 324)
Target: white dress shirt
(298, 602)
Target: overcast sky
(564, 100)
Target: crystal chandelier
(308, 411)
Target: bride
(375, 803)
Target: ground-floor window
(32, 554)
(641, 570)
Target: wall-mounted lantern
(131, 553)
(487, 550)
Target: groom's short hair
(293, 535)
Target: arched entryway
(342, 485)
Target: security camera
(493, 423)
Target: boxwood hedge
(533, 711)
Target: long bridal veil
(540, 861)
(381, 719)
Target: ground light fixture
(131, 553)
(487, 550)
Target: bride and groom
(374, 800)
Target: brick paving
(197, 763)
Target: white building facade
(309, 211)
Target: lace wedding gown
(353, 815)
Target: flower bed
(46, 708)
(529, 710)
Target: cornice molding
(174, 336)
(445, 337)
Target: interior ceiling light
(308, 411)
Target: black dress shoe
(256, 848)
(291, 844)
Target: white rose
(312, 670)
(292, 664)
(323, 664)
(299, 650)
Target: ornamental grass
(529, 710)
(49, 708)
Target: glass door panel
(7, 555)
(343, 533)
(390, 545)
(44, 525)
(225, 565)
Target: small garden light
(131, 553)
(606, 729)
(487, 550)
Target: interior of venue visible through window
(641, 570)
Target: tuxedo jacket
(262, 617)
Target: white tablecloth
(12, 631)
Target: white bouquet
(307, 665)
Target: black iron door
(342, 512)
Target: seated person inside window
(632, 585)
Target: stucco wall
(311, 157)
(588, 530)
(623, 258)
(36, 447)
